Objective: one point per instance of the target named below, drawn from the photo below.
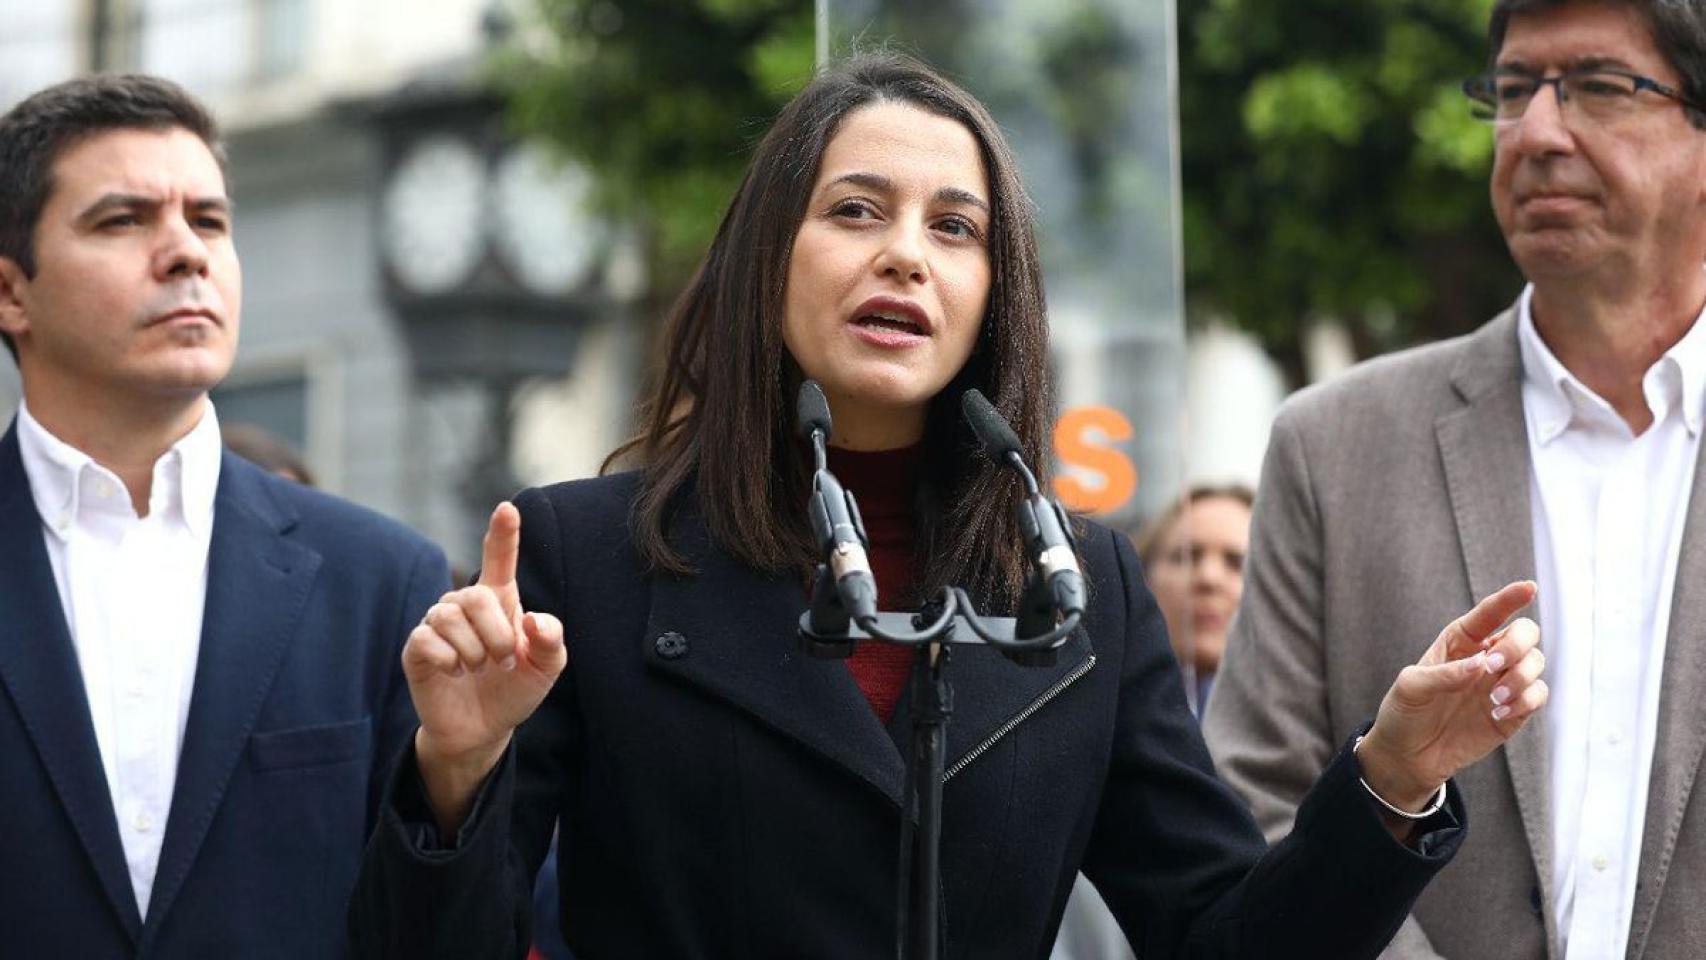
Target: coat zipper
(1053, 691)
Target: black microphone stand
(843, 611)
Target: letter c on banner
(1073, 444)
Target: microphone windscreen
(991, 428)
(812, 411)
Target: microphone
(1056, 586)
(999, 441)
(837, 527)
(811, 412)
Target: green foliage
(663, 100)
(1332, 167)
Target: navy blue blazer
(721, 795)
(299, 703)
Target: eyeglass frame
(1485, 83)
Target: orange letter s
(1074, 448)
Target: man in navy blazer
(200, 684)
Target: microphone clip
(844, 592)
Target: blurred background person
(1193, 556)
(262, 448)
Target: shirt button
(1614, 738)
(142, 822)
(1601, 862)
(103, 488)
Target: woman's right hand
(477, 667)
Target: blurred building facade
(434, 319)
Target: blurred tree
(1332, 169)
(662, 100)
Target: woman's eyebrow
(878, 182)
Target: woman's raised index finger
(498, 551)
(1469, 633)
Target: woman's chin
(882, 390)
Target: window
(278, 405)
(281, 37)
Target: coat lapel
(740, 631)
(747, 654)
(258, 582)
(1484, 449)
(993, 696)
(1681, 723)
(40, 672)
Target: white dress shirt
(1608, 511)
(132, 589)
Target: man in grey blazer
(1558, 442)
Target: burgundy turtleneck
(884, 482)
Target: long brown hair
(718, 419)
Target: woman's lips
(890, 338)
(890, 322)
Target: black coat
(722, 795)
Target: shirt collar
(1558, 396)
(1689, 357)
(199, 455)
(186, 475)
(1551, 406)
(52, 467)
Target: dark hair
(37, 132)
(1678, 28)
(1148, 538)
(719, 415)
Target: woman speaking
(627, 668)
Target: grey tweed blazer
(1391, 498)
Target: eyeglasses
(1598, 94)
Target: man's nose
(1543, 127)
(183, 251)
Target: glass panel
(282, 32)
(1085, 92)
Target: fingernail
(1501, 694)
(1499, 713)
(1495, 662)
(508, 663)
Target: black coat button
(671, 645)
